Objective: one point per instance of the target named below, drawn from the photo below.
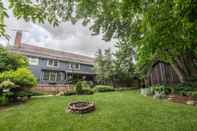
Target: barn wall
(161, 73)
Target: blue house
(54, 68)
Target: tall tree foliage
(156, 29)
(99, 65)
(14, 74)
(124, 61)
(11, 61)
(108, 65)
(104, 66)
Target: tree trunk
(185, 67)
(178, 72)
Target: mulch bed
(182, 99)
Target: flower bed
(182, 99)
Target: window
(77, 66)
(70, 66)
(53, 63)
(50, 62)
(33, 61)
(52, 76)
(59, 76)
(46, 75)
(74, 66)
(69, 76)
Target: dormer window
(77, 66)
(53, 63)
(74, 66)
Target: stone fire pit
(81, 107)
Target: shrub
(183, 93)
(24, 94)
(183, 87)
(11, 61)
(83, 88)
(87, 92)
(36, 93)
(22, 77)
(104, 88)
(161, 89)
(69, 93)
(91, 84)
(3, 100)
(158, 89)
(194, 95)
(168, 90)
(78, 87)
(7, 84)
(85, 85)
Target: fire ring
(81, 107)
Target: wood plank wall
(161, 73)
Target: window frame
(72, 66)
(43, 75)
(53, 74)
(79, 66)
(53, 63)
(30, 59)
(50, 73)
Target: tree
(104, 66)
(11, 61)
(157, 29)
(14, 75)
(124, 61)
(99, 66)
(108, 66)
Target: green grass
(116, 111)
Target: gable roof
(153, 64)
(41, 52)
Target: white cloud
(67, 37)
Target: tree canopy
(155, 29)
(104, 66)
(14, 67)
(11, 61)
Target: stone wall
(53, 87)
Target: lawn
(116, 111)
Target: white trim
(72, 66)
(79, 66)
(33, 61)
(50, 75)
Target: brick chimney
(18, 39)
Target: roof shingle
(41, 52)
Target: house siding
(63, 66)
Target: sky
(66, 37)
